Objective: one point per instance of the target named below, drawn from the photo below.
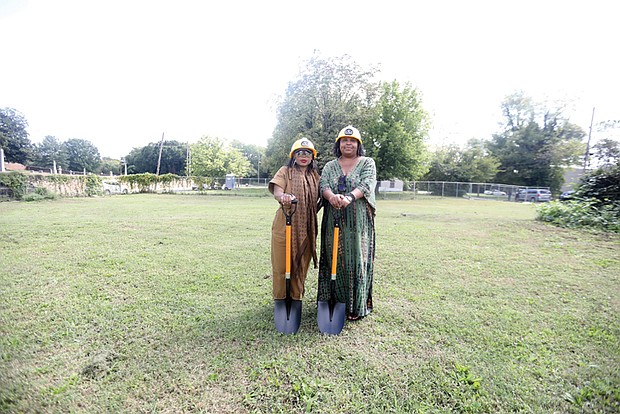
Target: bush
(602, 184)
(40, 193)
(16, 181)
(582, 213)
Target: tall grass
(162, 303)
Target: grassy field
(162, 303)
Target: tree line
(533, 145)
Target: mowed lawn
(162, 303)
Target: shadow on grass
(250, 323)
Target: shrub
(602, 184)
(92, 184)
(16, 181)
(585, 213)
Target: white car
(494, 192)
(113, 187)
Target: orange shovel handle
(335, 252)
(288, 252)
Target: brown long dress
(303, 183)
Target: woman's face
(303, 157)
(348, 147)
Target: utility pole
(586, 157)
(188, 167)
(161, 147)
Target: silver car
(534, 195)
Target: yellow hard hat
(350, 132)
(303, 143)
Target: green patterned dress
(356, 247)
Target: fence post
(1, 160)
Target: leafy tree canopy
(329, 94)
(255, 154)
(145, 159)
(212, 158)
(607, 151)
(535, 144)
(14, 137)
(396, 133)
(48, 151)
(82, 155)
(470, 164)
(110, 165)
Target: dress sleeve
(280, 179)
(368, 178)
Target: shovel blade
(287, 320)
(331, 320)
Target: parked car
(494, 192)
(533, 195)
(114, 187)
(567, 195)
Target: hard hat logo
(303, 143)
(350, 132)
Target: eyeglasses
(303, 153)
(342, 183)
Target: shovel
(287, 312)
(331, 314)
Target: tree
(212, 158)
(235, 163)
(48, 151)
(535, 145)
(14, 137)
(395, 135)
(607, 151)
(82, 155)
(110, 165)
(471, 164)
(329, 94)
(254, 154)
(602, 184)
(144, 159)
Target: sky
(122, 73)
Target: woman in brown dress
(299, 180)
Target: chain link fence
(417, 189)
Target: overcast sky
(119, 73)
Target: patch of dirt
(99, 365)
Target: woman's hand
(336, 200)
(286, 199)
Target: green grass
(162, 303)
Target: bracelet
(351, 196)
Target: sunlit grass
(149, 303)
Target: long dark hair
(360, 149)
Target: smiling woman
(348, 189)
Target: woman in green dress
(348, 189)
